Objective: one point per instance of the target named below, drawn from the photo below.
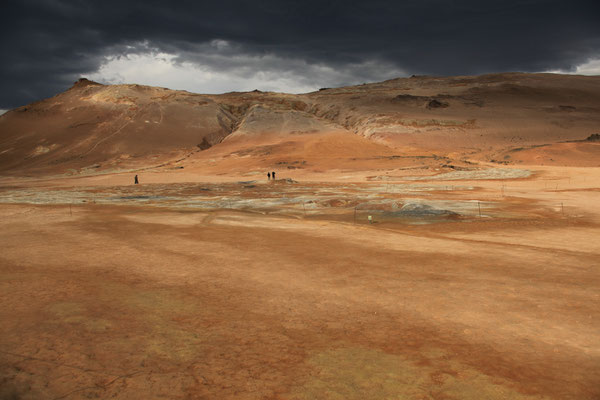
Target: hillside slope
(93, 123)
(506, 118)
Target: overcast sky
(284, 45)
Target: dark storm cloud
(48, 44)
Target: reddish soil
(121, 301)
(478, 277)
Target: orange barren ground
(477, 279)
(462, 288)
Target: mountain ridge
(462, 117)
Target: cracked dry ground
(133, 302)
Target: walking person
(273, 175)
(268, 175)
(135, 180)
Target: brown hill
(508, 118)
(92, 123)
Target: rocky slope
(505, 118)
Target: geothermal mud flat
(465, 286)
(476, 276)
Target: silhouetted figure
(269, 175)
(273, 175)
(135, 180)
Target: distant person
(273, 175)
(135, 180)
(268, 175)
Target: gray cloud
(47, 44)
(221, 66)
